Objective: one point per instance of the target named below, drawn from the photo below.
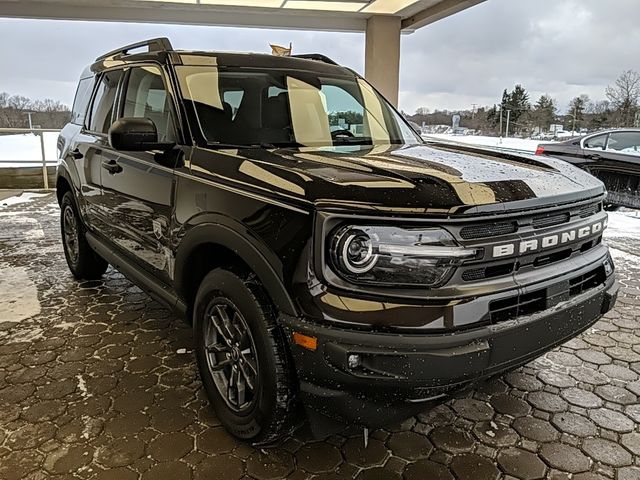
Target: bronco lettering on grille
(536, 244)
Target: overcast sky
(563, 48)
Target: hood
(404, 179)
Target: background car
(613, 156)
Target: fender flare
(254, 256)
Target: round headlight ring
(355, 251)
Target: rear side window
(625, 142)
(81, 101)
(102, 107)
(597, 142)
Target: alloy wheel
(231, 354)
(70, 232)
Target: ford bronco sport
(326, 256)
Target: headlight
(392, 256)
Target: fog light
(608, 267)
(353, 361)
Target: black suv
(326, 256)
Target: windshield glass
(248, 107)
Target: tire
(84, 263)
(265, 413)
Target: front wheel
(84, 263)
(242, 358)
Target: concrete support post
(382, 55)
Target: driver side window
(147, 97)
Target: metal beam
(181, 12)
(185, 13)
(441, 10)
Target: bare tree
(624, 96)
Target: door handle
(112, 167)
(76, 154)
(595, 156)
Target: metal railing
(39, 132)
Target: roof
(161, 50)
(332, 15)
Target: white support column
(382, 55)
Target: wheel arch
(212, 245)
(63, 184)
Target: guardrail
(37, 132)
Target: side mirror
(136, 135)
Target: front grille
(551, 220)
(589, 210)
(539, 300)
(488, 230)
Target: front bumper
(374, 379)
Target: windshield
(263, 107)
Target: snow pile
(27, 147)
(624, 224)
(523, 145)
(26, 197)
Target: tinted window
(625, 142)
(81, 102)
(147, 97)
(596, 142)
(289, 107)
(103, 100)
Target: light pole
(30, 122)
(508, 119)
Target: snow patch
(25, 197)
(18, 294)
(520, 144)
(82, 386)
(623, 224)
(622, 256)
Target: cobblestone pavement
(97, 381)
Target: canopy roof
(332, 15)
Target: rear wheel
(83, 262)
(242, 358)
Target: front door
(138, 188)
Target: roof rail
(317, 57)
(154, 45)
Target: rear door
(593, 147)
(138, 187)
(619, 168)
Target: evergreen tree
(577, 108)
(544, 112)
(517, 101)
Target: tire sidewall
(67, 202)
(249, 424)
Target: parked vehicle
(357, 272)
(613, 156)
